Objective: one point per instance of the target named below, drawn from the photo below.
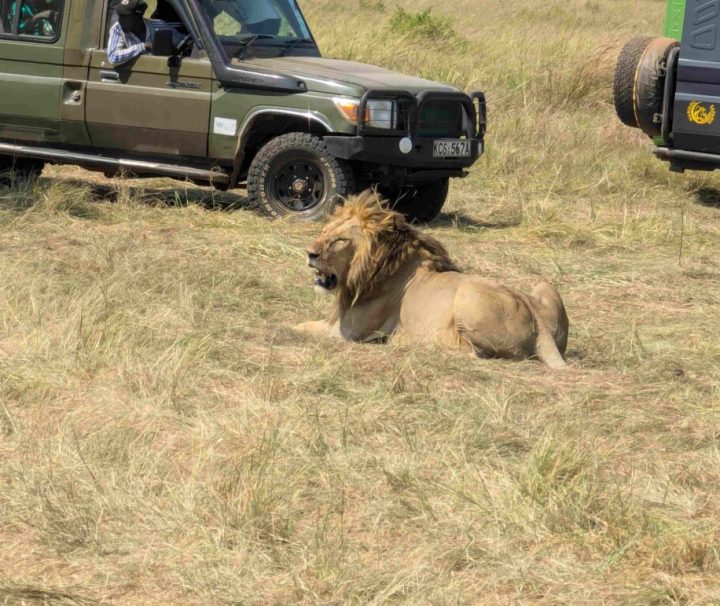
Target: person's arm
(119, 51)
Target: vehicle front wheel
(419, 203)
(295, 175)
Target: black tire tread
(624, 79)
(297, 140)
(426, 202)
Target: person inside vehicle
(37, 18)
(164, 11)
(131, 35)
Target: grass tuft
(421, 24)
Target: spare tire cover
(650, 84)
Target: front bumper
(386, 150)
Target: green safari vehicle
(236, 101)
(669, 86)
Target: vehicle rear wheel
(295, 175)
(420, 203)
(13, 169)
(639, 82)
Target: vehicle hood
(344, 77)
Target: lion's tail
(552, 325)
(546, 349)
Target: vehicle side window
(30, 19)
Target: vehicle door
(149, 106)
(31, 69)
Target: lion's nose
(312, 255)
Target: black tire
(420, 203)
(639, 82)
(13, 169)
(624, 80)
(293, 159)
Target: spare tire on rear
(639, 82)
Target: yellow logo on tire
(699, 114)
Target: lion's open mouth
(326, 281)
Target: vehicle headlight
(379, 113)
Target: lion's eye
(339, 242)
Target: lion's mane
(389, 243)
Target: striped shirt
(125, 46)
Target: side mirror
(163, 44)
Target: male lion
(391, 279)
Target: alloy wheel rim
(299, 185)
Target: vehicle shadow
(208, 198)
(708, 196)
(461, 221)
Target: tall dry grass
(165, 439)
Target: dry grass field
(165, 439)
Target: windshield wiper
(246, 43)
(291, 44)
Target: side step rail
(137, 167)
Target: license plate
(451, 148)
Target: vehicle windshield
(262, 23)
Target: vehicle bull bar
(412, 105)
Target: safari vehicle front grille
(442, 118)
